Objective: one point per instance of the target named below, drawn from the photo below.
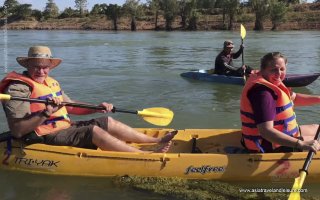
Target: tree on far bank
(131, 7)
(231, 7)
(22, 12)
(15, 11)
(193, 15)
(37, 14)
(278, 10)
(51, 10)
(9, 6)
(99, 9)
(222, 5)
(68, 13)
(170, 9)
(10, 3)
(81, 5)
(114, 13)
(261, 10)
(184, 11)
(155, 9)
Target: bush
(245, 18)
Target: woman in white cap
(51, 124)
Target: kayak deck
(195, 154)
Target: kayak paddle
(243, 33)
(158, 116)
(298, 182)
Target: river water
(140, 70)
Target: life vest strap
(247, 114)
(53, 120)
(50, 95)
(283, 108)
(8, 151)
(256, 139)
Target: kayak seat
(5, 136)
(195, 149)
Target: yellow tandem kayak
(214, 154)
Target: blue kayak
(291, 80)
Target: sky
(62, 4)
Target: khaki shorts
(78, 135)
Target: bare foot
(163, 148)
(168, 137)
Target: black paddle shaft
(80, 105)
(310, 154)
(47, 101)
(242, 52)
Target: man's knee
(112, 122)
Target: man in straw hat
(224, 63)
(51, 124)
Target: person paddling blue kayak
(224, 61)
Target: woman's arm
(305, 99)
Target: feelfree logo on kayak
(205, 169)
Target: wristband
(45, 113)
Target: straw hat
(39, 56)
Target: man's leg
(125, 133)
(107, 142)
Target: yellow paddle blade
(5, 97)
(243, 31)
(158, 116)
(298, 183)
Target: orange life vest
(50, 88)
(285, 120)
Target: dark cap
(228, 44)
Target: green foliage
(51, 10)
(245, 18)
(230, 7)
(10, 3)
(193, 20)
(68, 12)
(99, 9)
(170, 9)
(132, 8)
(22, 12)
(178, 188)
(113, 11)
(81, 6)
(15, 11)
(278, 11)
(37, 14)
(312, 17)
(208, 4)
(193, 13)
(262, 10)
(10, 7)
